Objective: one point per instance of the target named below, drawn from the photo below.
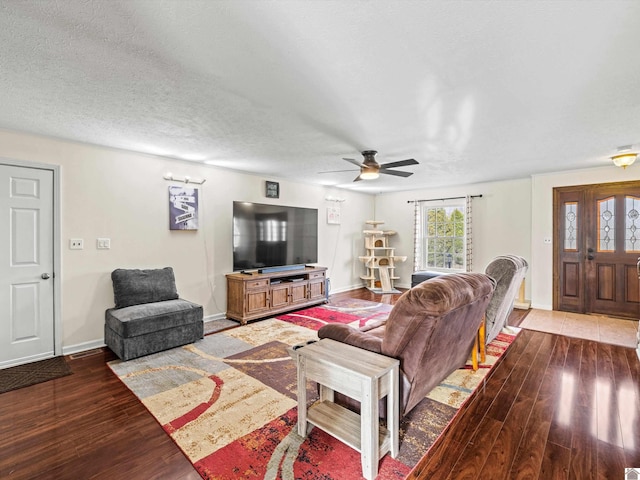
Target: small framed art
(333, 215)
(272, 189)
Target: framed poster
(272, 189)
(183, 207)
(333, 215)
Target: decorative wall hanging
(183, 207)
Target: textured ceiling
(475, 91)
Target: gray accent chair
(508, 271)
(149, 316)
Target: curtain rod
(442, 199)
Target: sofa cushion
(138, 320)
(135, 287)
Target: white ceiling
(475, 91)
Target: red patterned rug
(229, 401)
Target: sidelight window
(571, 226)
(632, 224)
(606, 225)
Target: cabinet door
(279, 295)
(299, 292)
(317, 289)
(256, 301)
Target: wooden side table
(362, 375)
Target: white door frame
(57, 262)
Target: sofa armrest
(351, 336)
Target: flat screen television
(273, 235)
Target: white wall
(501, 221)
(542, 220)
(123, 196)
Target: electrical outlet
(547, 241)
(103, 243)
(76, 244)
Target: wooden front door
(597, 243)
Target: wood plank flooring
(554, 408)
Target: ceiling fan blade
(337, 171)
(355, 162)
(357, 179)
(397, 173)
(400, 163)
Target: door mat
(28, 374)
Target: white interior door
(26, 265)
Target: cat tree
(380, 259)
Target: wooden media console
(257, 295)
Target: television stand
(260, 295)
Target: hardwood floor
(554, 408)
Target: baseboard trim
(541, 306)
(213, 318)
(82, 347)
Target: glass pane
(606, 225)
(445, 242)
(571, 226)
(631, 224)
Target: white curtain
(417, 225)
(469, 232)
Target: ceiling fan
(370, 169)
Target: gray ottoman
(149, 316)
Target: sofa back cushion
(135, 287)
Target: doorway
(29, 318)
(596, 249)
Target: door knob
(45, 276)
(590, 257)
(590, 250)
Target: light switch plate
(103, 243)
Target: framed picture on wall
(333, 215)
(183, 207)
(272, 189)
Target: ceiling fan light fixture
(369, 173)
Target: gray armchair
(149, 316)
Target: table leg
(369, 429)
(393, 407)
(302, 397)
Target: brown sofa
(431, 330)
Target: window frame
(460, 205)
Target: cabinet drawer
(316, 275)
(257, 283)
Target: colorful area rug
(229, 401)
